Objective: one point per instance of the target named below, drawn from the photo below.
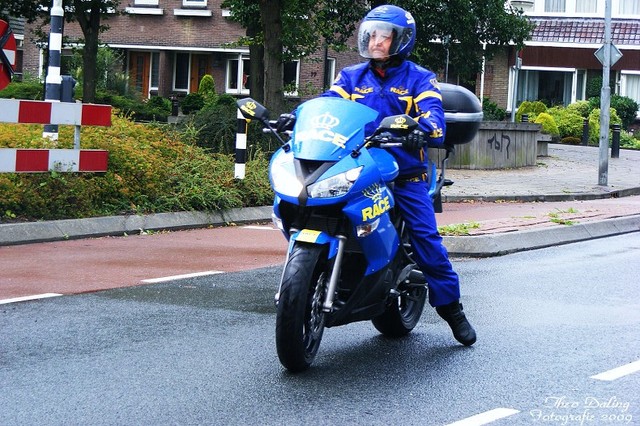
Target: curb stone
(511, 242)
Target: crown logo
(325, 121)
(374, 192)
(400, 120)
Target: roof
(585, 31)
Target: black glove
(285, 122)
(415, 140)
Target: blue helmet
(393, 20)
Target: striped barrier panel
(52, 112)
(45, 160)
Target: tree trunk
(90, 25)
(90, 54)
(256, 54)
(270, 11)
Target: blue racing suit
(407, 88)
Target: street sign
(7, 54)
(615, 56)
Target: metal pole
(53, 80)
(514, 96)
(605, 99)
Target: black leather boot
(462, 330)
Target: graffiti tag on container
(502, 144)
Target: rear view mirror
(252, 110)
(398, 124)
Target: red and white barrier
(44, 160)
(51, 112)
(48, 112)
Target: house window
(554, 6)
(330, 72)
(629, 7)
(553, 86)
(194, 3)
(630, 86)
(155, 70)
(181, 79)
(290, 81)
(237, 81)
(586, 6)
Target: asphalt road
(201, 351)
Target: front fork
(327, 304)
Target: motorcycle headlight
(334, 186)
(283, 176)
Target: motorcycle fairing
(374, 205)
(320, 135)
(386, 163)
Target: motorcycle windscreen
(327, 129)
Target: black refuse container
(463, 113)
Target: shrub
(548, 123)
(191, 103)
(594, 87)
(594, 125)
(625, 107)
(531, 108)
(582, 108)
(154, 109)
(214, 127)
(207, 89)
(569, 122)
(570, 140)
(491, 111)
(628, 141)
(31, 90)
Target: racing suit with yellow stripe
(407, 88)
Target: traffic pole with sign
(7, 54)
(605, 99)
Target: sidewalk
(558, 201)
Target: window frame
(239, 89)
(194, 3)
(175, 72)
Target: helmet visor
(380, 40)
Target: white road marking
(616, 373)
(25, 298)
(486, 417)
(181, 277)
(263, 228)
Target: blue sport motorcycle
(349, 256)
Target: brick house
(558, 61)
(170, 44)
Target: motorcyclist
(391, 84)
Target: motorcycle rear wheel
(300, 320)
(402, 314)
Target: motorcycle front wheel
(300, 320)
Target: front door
(200, 65)
(139, 71)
